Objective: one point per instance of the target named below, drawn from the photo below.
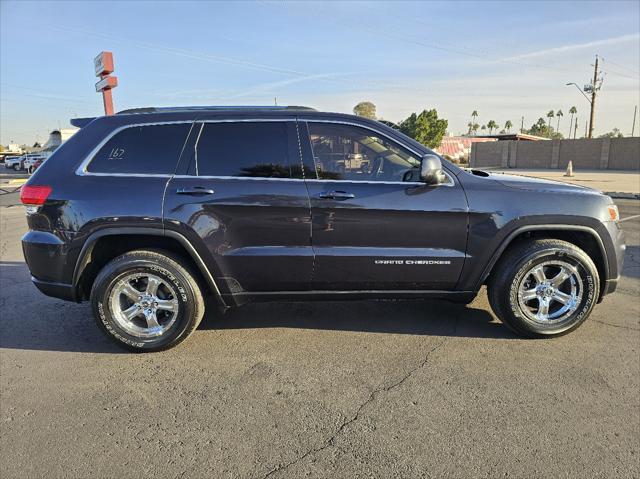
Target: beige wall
(598, 153)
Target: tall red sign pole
(103, 65)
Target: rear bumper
(56, 290)
(46, 257)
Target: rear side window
(153, 149)
(245, 149)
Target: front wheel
(544, 288)
(146, 301)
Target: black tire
(515, 270)
(175, 277)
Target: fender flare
(87, 247)
(543, 227)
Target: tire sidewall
(590, 283)
(102, 308)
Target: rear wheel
(544, 288)
(146, 301)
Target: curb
(18, 181)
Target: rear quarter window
(151, 149)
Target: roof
(212, 109)
(155, 109)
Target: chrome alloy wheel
(144, 305)
(550, 292)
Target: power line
(636, 72)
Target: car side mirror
(431, 170)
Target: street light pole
(580, 90)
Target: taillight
(34, 195)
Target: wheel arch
(584, 237)
(108, 243)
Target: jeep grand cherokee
(147, 212)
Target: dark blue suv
(147, 212)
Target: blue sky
(504, 59)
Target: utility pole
(586, 129)
(522, 125)
(594, 89)
(575, 129)
(633, 127)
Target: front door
(239, 193)
(376, 226)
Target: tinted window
(153, 149)
(255, 149)
(344, 152)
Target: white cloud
(575, 46)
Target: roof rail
(154, 109)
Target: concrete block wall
(596, 153)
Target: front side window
(245, 149)
(152, 149)
(351, 153)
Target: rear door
(240, 197)
(376, 226)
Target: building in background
(458, 148)
(57, 138)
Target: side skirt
(239, 299)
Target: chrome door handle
(336, 195)
(196, 190)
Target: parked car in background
(14, 162)
(5, 158)
(35, 164)
(30, 159)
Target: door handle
(195, 191)
(336, 195)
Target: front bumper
(615, 257)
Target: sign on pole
(103, 66)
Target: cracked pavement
(353, 389)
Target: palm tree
(550, 115)
(508, 125)
(475, 128)
(474, 115)
(470, 125)
(492, 125)
(483, 127)
(573, 111)
(559, 114)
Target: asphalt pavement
(352, 389)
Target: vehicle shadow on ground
(631, 268)
(31, 321)
(427, 317)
